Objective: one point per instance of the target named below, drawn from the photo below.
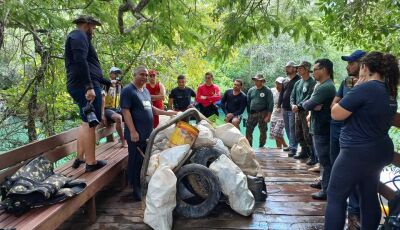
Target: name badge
(146, 104)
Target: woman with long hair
(365, 146)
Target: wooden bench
(55, 148)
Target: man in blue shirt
(138, 110)
(84, 79)
(353, 68)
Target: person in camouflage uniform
(260, 104)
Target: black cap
(86, 19)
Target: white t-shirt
(275, 114)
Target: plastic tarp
(244, 156)
(161, 199)
(229, 134)
(234, 185)
(205, 137)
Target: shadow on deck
(288, 206)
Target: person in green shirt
(302, 91)
(320, 106)
(260, 103)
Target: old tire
(189, 209)
(206, 155)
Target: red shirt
(155, 91)
(211, 92)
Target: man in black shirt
(180, 97)
(284, 103)
(234, 103)
(84, 77)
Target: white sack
(229, 134)
(160, 199)
(234, 185)
(153, 165)
(205, 137)
(220, 145)
(208, 125)
(244, 156)
(173, 156)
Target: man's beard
(89, 34)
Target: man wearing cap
(234, 103)
(157, 92)
(207, 96)
(284, 104)
(353, 67)
(260, 104)
(111, 104)
(302, 91)
(277, 125)
(84, 80)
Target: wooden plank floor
(288, 206)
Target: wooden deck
(288, 206)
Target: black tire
(203, 156)
(258, 188)
(206, 155)
(204, 207)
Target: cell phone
(350, 82)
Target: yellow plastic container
(184, 133)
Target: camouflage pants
(302, 131)
(252, 121)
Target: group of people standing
(345, 131)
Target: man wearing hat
(353, 67)
(284, 103)
(260, 104)
(157, 92)
(302, 91)
(277, 125)
(84, 80)
(111, 104)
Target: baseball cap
(280, 80)
(115, 70)
(152, 72)
(291, 63)
(356, 55)
(306, 65)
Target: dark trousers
(353, 207)
(357, 166)
(252, 121)
(135, 161)
(208, 111)
(303, 136)
(322, 150)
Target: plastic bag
(161, 199)
(244, 156)
(205, 137)
(153, 165)
(173, 156)
(229, 134)
(220, 145)
(208, 125)
(234, 185)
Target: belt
(253, 111)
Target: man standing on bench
(84, 77)
(138, 110)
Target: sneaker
(77, 163)
(321, 195)
(301, 155)
(353, 222)
(311, 162)
(316, 185)
(316, 168)
(99, 164)
(287, 149)
(292, 153)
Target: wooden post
(91, 210)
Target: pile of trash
(219, 164)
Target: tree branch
(136, 12)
